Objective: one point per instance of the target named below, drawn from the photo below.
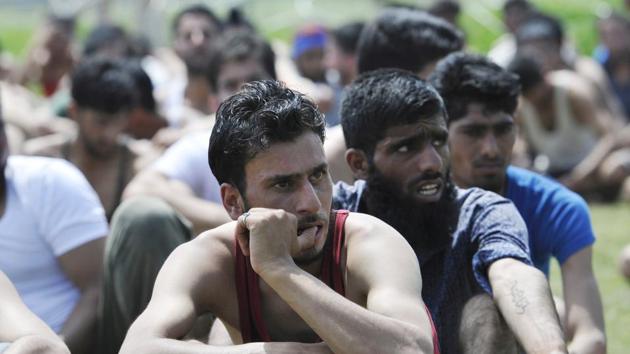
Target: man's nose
(489, 146)
(430, 160)
(308, 200)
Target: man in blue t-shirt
(480, 100)
(472, 245)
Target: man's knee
(483, 329)
(148, 223)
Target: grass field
(612, 227)
(481, 21)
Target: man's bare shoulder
(49, 145)
(215, 246)
(363, 227)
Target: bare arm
(584, 318)
(18, 325)
(375, 258)
(83, 265)
(191, 280)
(524, 299)
(203, 214)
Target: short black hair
(384, 98)
(445, 9)
(197, 9)
(527, 70)
(540, 26)
(463, 78)
(143, 84)
(260, 114)
(104, 85)
(522, 5)
(239, 46)
(406, 39)
(104, 36)
(347, 36)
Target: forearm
(79, 329)
(36, 344)
(168, 346)
(342, 324)
(203, 214)
(524, 299)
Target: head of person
(194, 30)
(447, 10)
(542, 36)
(614, 31)
(238, 57)
(341, 51)
(480, 99)
(109, 41)
(406, 39)
(308, 52)
(103, 95)
(531, 78)
(266, 150)
(144, 119)
(515, 12)
(236, 20)
(395, 130)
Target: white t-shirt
(50, 210)
(187, 162)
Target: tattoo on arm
(518, 298)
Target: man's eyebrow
(290, 176)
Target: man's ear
(232, 200)
(73, 111)
(213, 102)
(358, 162)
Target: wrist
(275, 269)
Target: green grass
(612, 227)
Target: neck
(197, 92)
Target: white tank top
(568, 143)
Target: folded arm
(524, 299)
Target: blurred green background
(480, 20)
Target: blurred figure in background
(341, 64)
(51, 56)
(103, 96)
(515, 12)
(448, 10)
(308, 52)
(52, 237)
(614, 32)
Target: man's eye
(438, 142)
(282, 185)
(403, 149)
(475, 133)
(318, 175)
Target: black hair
(237, 19)
(260, 114)
(239, 46)
(445, 9)
(406, 39)
(385, 98)
(347, 36)
(104, 85)
(540, 26)
(143, 84)
(104, 36)
(198, 9)
(528, 71)
(522, 5)
(463, 78)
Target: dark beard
(427, 227)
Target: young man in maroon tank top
(260, 274)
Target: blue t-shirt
(489, 228)
(557, 219)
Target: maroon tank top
(253, 328)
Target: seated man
(480, 99)
(20, 329)
(52, 230)
(290, 270)
(171, 198)
(103, 95)
(398, 38)
(472, 245)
